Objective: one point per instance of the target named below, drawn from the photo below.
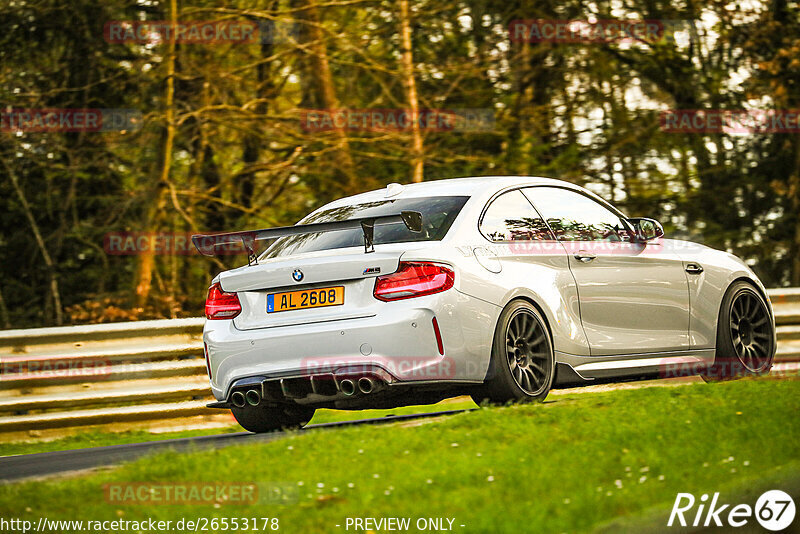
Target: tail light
(222, 305)
(413, 280)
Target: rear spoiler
(207, 244)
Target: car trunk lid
(350, 269)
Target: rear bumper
(398, 340)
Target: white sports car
(498, 287)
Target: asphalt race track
(58, 462)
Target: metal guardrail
(151, 374)
(144, 374)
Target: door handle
(694, 268)
(584, 257)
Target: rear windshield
(438, 214)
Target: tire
(522, 364)
(745, 335)
(262, 419)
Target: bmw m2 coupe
(498, 287)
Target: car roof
(453, 186)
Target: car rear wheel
(521, 368)
(745, 335)
(268, 419)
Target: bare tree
(155, 210)
(51, 268)
(410, 84)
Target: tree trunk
(251, 149)
(410, 85)
(326, 93)
(794, 192)
(156, 209)
(4, 312)
(48, 262)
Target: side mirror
(646, 229)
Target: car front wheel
(745, 335)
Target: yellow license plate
(307, 298)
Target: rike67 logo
(774, 510)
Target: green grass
(572, 464)
(99, 438)
(654, 519)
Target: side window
(510, 217)
(576, 217)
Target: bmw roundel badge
(297, 275)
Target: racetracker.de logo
(167, 244)
(737, 121)
(194, 493)
(721, 369)
(44, 368)
(202, 32)
(70, 120)
(397, 120)
(585, 31)
(404, 368)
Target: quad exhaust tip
(347, 386)
(253, 397)
(238, 400)
(366, 385)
